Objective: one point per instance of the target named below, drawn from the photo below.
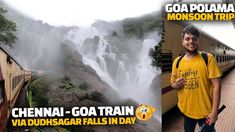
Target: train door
(3, 104)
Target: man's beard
(194, 52)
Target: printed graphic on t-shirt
(192, 78)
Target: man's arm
(213, 116)
(178, 83)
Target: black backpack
(204, 56)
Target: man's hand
(178, 83)
(212, 118)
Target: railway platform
(173, 120)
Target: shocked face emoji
(144, 112)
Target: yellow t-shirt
(195, 98)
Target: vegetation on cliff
(7, 29)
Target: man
(198, 83)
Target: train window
(166, 62)
(9, 60)
(217, 58)
(17, 80)
(1, 91)
(13, 83)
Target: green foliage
(7, 30)
(83, 86)
(139, 26)
(155, 53)
(66, 84)
(39, 88)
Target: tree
(155, 53)
(7, 30)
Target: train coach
(172, 48)
(12, 78)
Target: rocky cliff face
(76, 84)
(67, 81)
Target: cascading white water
(123, 63)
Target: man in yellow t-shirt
(198, 83)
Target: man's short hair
(190, 30)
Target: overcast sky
(85, 12)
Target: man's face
(190, 42)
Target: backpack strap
(204, 56)
(178, 61)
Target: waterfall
(123, 63)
